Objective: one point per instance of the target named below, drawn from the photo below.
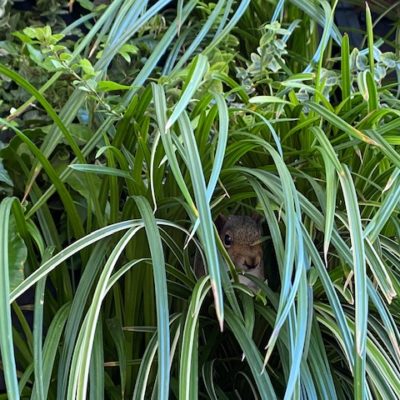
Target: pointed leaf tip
(219, 311)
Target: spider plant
(233, 107)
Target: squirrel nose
(251, 263)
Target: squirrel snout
(252, 262)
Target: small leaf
(8, 48)
(108, 86)
(125, 56)
(87, 4)
(56, 64)
(389, 59)
(30, 32)
(86, 66)
(56, 37)
(379, 72)
(65, 56)
(35, 54)
(23, 38)
(46, 31)
(4, 177)
(362, 62)
(17, 254)
(129, 48)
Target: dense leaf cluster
(123, 135)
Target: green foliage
(144, 130)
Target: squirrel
(241, 237)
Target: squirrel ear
(257, 218)
(220, 222)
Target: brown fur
(241, 237)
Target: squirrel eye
(227, 240)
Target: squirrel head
(241, 237)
